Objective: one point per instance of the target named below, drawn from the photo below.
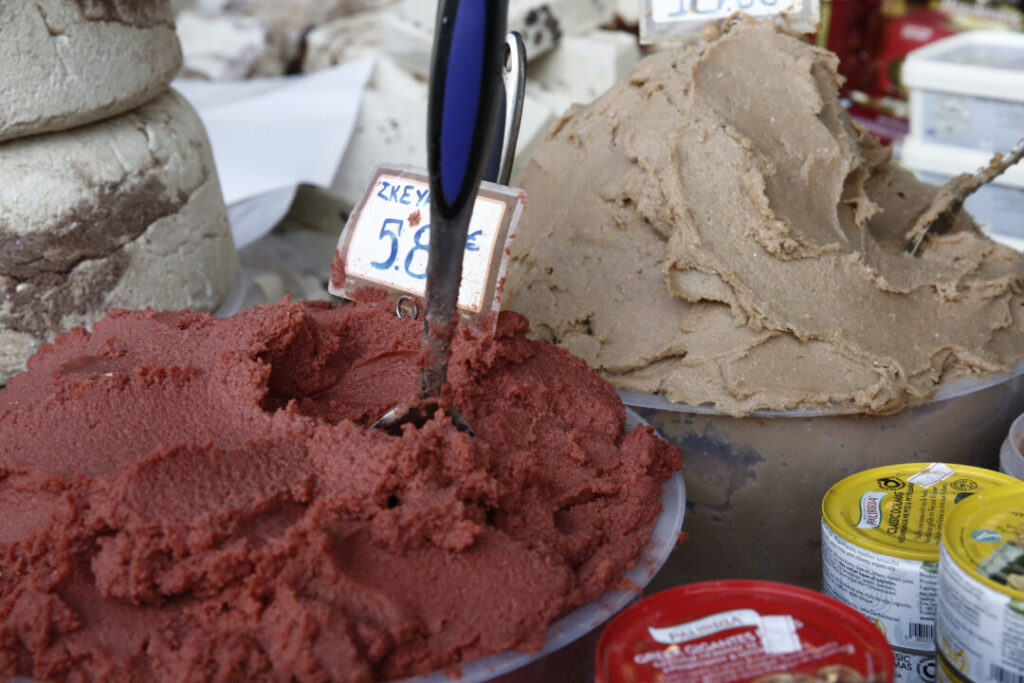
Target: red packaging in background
(853, 29)
(873, 37)
(888, 128)
(903, 34)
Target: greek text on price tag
(386, 241)
(663, 19)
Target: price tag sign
(385, 243)
(662, 20)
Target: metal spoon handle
(510, 113)
(465, 86)
(937, 214)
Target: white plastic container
(1011, 460)
(998, 207)
(568, 652)
(968, 91)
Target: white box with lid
(968, 91)
(998, 207)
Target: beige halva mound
(65, 63)
(125, 213)
(716, 229)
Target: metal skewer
(947, 203)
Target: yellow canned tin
(880, 542)
(947, 673)
(980, 620)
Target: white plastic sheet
(270, 134)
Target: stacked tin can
(881, 532)
(980, 621)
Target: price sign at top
(386, 241)
(663, 19)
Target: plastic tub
(1011, 460)
(755, 483)
(568, 652)
(740, 631)
(967, 90)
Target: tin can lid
(985, 536)
(898, 510)
(737, 631)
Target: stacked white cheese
(573, 57)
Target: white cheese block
(222, 46)
(585, 66)
(628, 11)
(392, 128)
(389, 77)
(542, 23)
(345, 39)
(537, 118)
(558, 102)
(289, 21)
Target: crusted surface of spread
(715, 229)
(187, 498)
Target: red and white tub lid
(739, 631)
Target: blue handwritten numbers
(421, 239)
(391, 232)
(387, 238)
(688, 6)
(393, 235)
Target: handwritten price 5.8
(414, 261)
(390, 239)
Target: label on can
(896, 594)
(980, 622)
(945, 673)
(880, 534)
(914, 667)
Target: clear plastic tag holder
(384, 245)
